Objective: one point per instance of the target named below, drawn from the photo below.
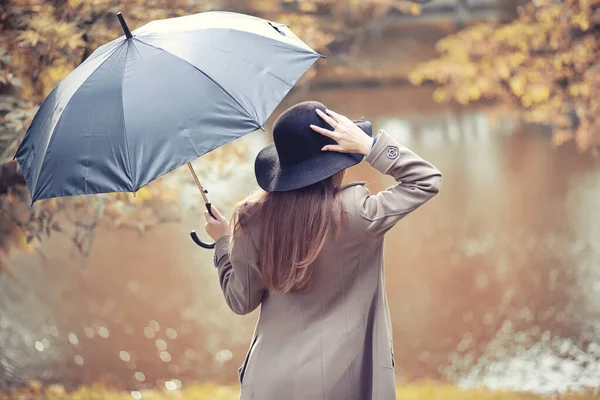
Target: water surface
(496, 281)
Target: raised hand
(349, 137)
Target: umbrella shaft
(124, 25)
(202, 191)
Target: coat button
(392, 153)
(215, 259)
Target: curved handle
(195, 237)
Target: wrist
(367, 145)
(222, 237)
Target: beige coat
(334, 341)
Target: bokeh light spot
(73, 339)
(154, 325)
(165, 356)
(224, 355)
(149, 332)
(89, 332)
(103, 332)
(139, 376)
(171, 333)
(161, 344)
(124, 355)
(136, 395)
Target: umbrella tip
(124, 25)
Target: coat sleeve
(239, 275)
(418, 181)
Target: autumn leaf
(75, 3)
(29, 38)
(517, 85)
(144, 194)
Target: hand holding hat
(300, 157)
(349, 137)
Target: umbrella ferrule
(124, 25)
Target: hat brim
(274, 177)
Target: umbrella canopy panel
(138, 108)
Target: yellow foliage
(30, 38)
(23, 244)
(474, 92)
(144, 194)
(517, 85)
(538, 93)
(54, 73)
(440, 95)
(415, 9)
(414, 391)
(543, 62)
(579, 89)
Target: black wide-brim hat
(295, 160)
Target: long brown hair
(294, 228)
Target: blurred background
(495, 283)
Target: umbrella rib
(89, 135)
(112, 45)
(249, 63)
(186, 134)
(305, 48)
(131, 171)
(224, 52)
(254, 119)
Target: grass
(416, 391)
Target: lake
(495, 282)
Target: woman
(310, 252)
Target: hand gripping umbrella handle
(203, 192)
(195, 237)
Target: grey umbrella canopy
(157, 98)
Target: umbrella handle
(195, 237)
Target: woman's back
(317, 344)
(333, 340)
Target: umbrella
(158, 98)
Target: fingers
(338, 117)
(332, 122)
(216, 226)
(334, 147)
(325, 132)
(216, 212)
(218, 218)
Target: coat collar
(358, 183)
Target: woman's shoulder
(351, 194)
(352, 184)
(245, 212)
(355, 191)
